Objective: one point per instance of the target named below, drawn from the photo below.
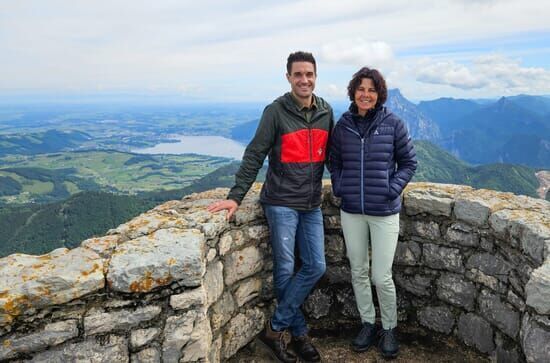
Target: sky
(235, 51)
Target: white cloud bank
(238, 48)
(494, 72)
(358, 52)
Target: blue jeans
(287, 227)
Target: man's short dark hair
(300, 56)
(377, 79)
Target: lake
(204, 145)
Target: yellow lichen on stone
(148, 283)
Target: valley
(71, 172)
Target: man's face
(302, 79)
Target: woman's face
(365, 96)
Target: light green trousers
(381, 233)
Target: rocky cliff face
(420, 126)
(178, 284)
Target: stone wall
(178, 284)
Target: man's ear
(288, 77)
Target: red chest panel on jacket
(304, 146)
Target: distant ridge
(41, 142)
(500, 132)
(421, 127)
(445, 111)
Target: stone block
(268, 292)
(177, 333)
(418, 285)
(33, 282)
(505, 352)
(318, 303)
(426, 201)
(110, 349)
(528, 227)
(198, 348)
(222, 311)
(499, 313)
(242, 264)
(257, 233)
(213, 282)
(149, 355)
(332, 222)
(147, 223)
(141, 337)
(189, 298)
(347, 303)
(103, 246)
(537, 289)
(425, 230)
(338, 273)
(534, 238)
(158, 259)
(216, 351)
(476, 332)
(474, 211)
(443, 258)
(438, 318)
(98, 323)
(249, 211)
(454, 290)
(487, 244)
(241, 330)
(535, 341)
(490, 264)
(489, 281)
(211, 255)
(51, 335)
(462, 234)
(516, 301)
(334, 248)
(247, 290)
(211, 230)
(408, 254)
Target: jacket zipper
(310, 166)
(314, 117)
(362, 168)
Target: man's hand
(228, 204)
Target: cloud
(492, 72)
(240, 47)
(358, 52)
(334, 91)
(450, 73)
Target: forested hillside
(37, 229)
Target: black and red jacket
(297, 149)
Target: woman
(372, 160)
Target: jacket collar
(380, 114)
(289, 103)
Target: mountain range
(511, 130)
(514, 130)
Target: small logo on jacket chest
(320, 151)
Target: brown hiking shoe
(277, 344)
(305, 349)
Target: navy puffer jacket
(372, 159)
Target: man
(294, 131)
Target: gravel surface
(415, 346)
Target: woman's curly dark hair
(377, 79)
